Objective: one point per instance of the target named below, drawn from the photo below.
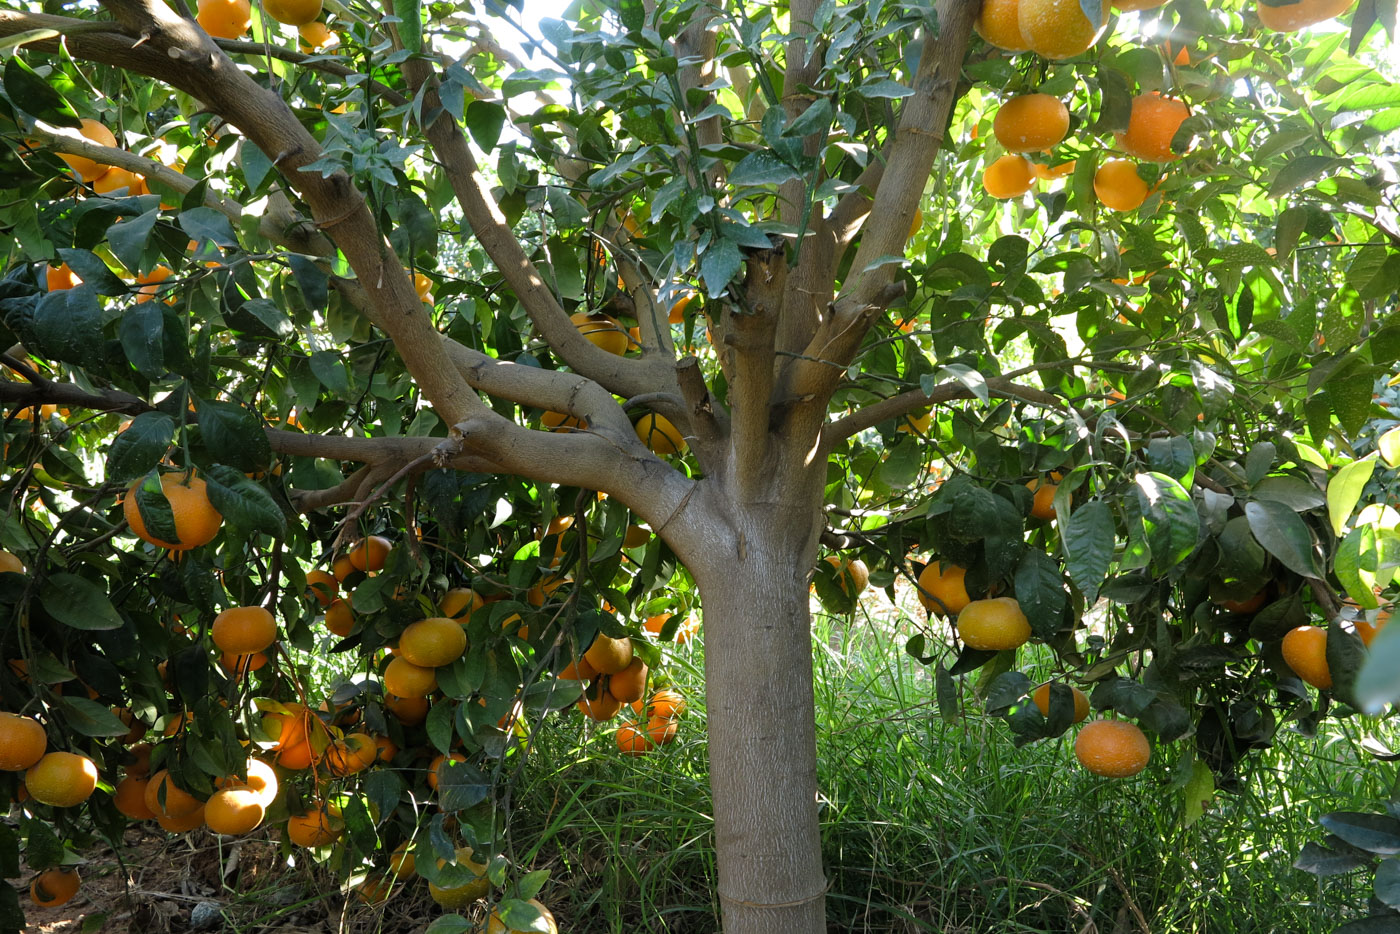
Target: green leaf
(1374, 833)
(530, 884)
(36, 96)
(129, 238)
(233, 434)
(329, 368)
(90, 718)
(142, 334)
(761, 168)
(93, 271)
(68, 326)
(1346, 655)
(1300, 171)
(1283, 535)
(946, 691)
(1356, 563)
(1088, 540)
(208, 224)
(450, 924)
(1040, 590)
(484, 121)
(520, 915)
(78, 603)
(410, 14)
(140, 447)
(462, 786)
(1387, 885)
(243, 501)
(719, 265)
(1197, 794)
(1169, 519)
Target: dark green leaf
(1088, 540)
(484, 121)
(1169, 519)
(35, 96)
(1322, 862)
(90, 718)
(1374, 833)
(1284, 535)
(1040, 590)
(93, 271)
(68, 326)
(208, 224)
(77, 602)
(129, 238)
(140, 447)
(142, 333)
(719, 265)
(761, 168)
(410, 14)
(243, 501)
(947, 694)
(233, 435)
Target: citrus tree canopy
(488, 368)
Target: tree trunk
(762, 733)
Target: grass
(934, 826)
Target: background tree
(1144, 381)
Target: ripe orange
(261, 779)
(355, 753)
(435, 767)
(602, 331)
(323, 586)
(1048, 173)
(410, 711)
(1305, 651)
(999, 22)
(317, 35)
(607, 655)
(1057, 28)
(1367, 629)
(496, 926)
(851, 571)
(342, 568)
(432, 643)
(129, 796)
(240, 665)
(1118, 185)
(405, 679)
(1041, 697)
(370, 554)
(60, 278)
(61, 779)
(460, 603)
(374, 889)
(119, 181)
(993, 625)
(340, 618)
(86, 169)
(943, 590)
(632, 740)
(1031, 123)
(916, 423)
(54, 887)
(317, 827)
(243, 630)
(234, 811)
(1112, 748)
(1043, 503)
(579, 670)
(678, 309)
(182, 824)
(1152, 123)
(558, 421)
(1008, 177)
(463, 895)
(630, 683)
(22, 742)
(150, 283)
(1294, 16)
(196, 519)
(1248, 605)
(225, 19)
(636, 536)
(177, 802)
(385, 749)
(598, 704)
(665, 704)
(403, 863)
(657, 433)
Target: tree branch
(750, 335)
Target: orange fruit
(243, 630)
(852, 572)
(1043, 503)
(636, 536)
(460, 603)
(1305, 651)
(1041, 697)
(1182, 56)
(234, 811)
(22, 742)
(385, 749)
(423, 286)
(323, 586)
(261, 779)
(317, 827)
(1112, 748)
(432, 643)
(182, 824)
(354, 753)
(117, 180)
(1031, 123)
(60, 278)
(462, 896)
(54, 887)
(665, 704)
(677, 313)
(579, 670)
(496, 926)
(410, 711)
(1250, 604)
(370, 554)
(340, 618)
(1152, 123)
(1118, 185)
(435, 768)
(225, 19)
(405, 679)
(140, 764)
(598, 704)
(630, 683)
(999, 22)
(607, 655)
(86, 169)
(315, 35)
(657, 433)
(242, 664)
(342, 568)
(558, 421)
(61, 779)
(129, 796)
(150, 283)
(632, 740)
(1367, 630)
(1294, 16)
(177, 802)
(602, 331)
(402, 861)
(1048, 173)
(993, 625)
(661, 730)
(1008, 177)
(196, 519)
(374, 889)
(943, 590)
(1057, 28)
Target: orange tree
(317, 328)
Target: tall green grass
(947, 827)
